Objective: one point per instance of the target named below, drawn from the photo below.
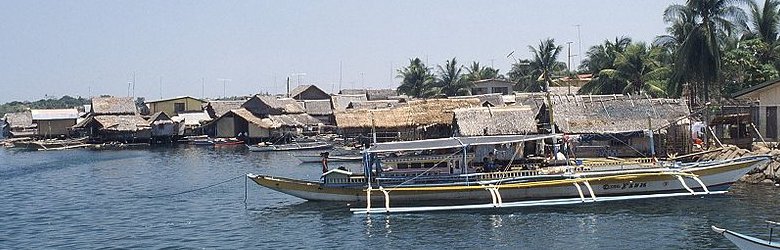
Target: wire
(193, 190)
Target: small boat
(289, 147)
(52, 144)
(745, 242)
(331, 158)
(221, 142)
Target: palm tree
(638, 71)
(451, 80)
(417, 79)
(765, 20)
(698, 59)
(545, 61)
(600, 58)
(476, 72)
(522, 75)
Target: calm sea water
(86, 199)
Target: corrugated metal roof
(54, 114)
(192, 119)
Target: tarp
(454, 142)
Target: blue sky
(87, 48)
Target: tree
(476, 72)
(451, 81)
(743, 65)
(522, 75)
(764, 20)
(417, 79)
(545, 61)
(698, 58)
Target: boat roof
(454, 142)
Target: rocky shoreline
(767, 174)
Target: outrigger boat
(331, 158)
(525, 182)
(745, 242)
(290, 147)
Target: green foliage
(450, 81)
(544, 61)
(61, 103)
(418, 81)
(476, 72)
(750, 63)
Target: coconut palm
(522, 74)
(545, 61)
(451, 81)
(476, 72)
(637, 71)
(698, 59)
(602, 57)
(417, 79)
(764, 20)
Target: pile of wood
(766, 174)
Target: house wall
(165, 129)
(54, 128)
(768, 98)
(168, 107)
(258, 132)
(488, 87)
(225, 127)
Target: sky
(215, 48)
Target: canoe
(745, 242)
(290, 147)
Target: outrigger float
(458, 183)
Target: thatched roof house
(493, 100)
(117, 123)
(19, 120)
(581, 115)
(371, 94)
(415, 114)
(113, 106)
(308, 92)
(381, 104)
(495, 121)
(341, 102)
(293, 120)
(216, 109)
(271, 105)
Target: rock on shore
(766, 174)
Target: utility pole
(288, 87)
(203, 87)
(341, 74)
(161, 96)
(579, 44)
(224, 86)
(569, 68)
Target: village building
(263, 105)
(53, 123)
(18, 124)
(190, 123)
(381, 104)
(264, 117)
(492, 100)
(762, 102)
(215, 109)
(320, 109)
(341, 102)
(163, 128)
(372, 94)
(114, 119)
(481, 121)
(491, 86)
(308, 92)
(175, 105)
(418, 119)
(617, 126)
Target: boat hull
(745, 242)
(315, 158)
(715, 177)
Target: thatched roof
(284, 105)
(251, 118)
(19, 120)
(176, 98)
(340, 102)
(293, 120)
(415, 113)
(380, 94)
(120, 123)
(113, 106)
(219, 108)
(159, 116)
(308, 92)
(317, 107)
(495, 100)
(495, 121)
(352, 92)
(382, 104)
(580, 114)
(192, 118)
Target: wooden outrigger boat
(290, 147)
(745, 242)
(52, 144)
(456, 182)
(331, 158)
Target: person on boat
(324, 156)
(490, 162)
